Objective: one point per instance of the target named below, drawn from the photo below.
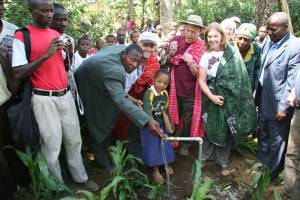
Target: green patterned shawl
(237, 117)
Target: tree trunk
(130, 8)
(263, 9)
(166, 14)
(143, 13)
(284, 7)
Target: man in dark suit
(280, 62)
(101, 82)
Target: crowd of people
(222, 82)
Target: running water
(162, 144)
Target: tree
(166, 14)
(284, 7)
(263, 9)
(130, 8)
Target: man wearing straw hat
(185, 97)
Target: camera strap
(77, 97)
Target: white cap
(148, 37)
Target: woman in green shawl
(250, 51)
(228, 109)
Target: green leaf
(87, 194)
(27, 159)
(42, 166)
(276, 195)
(114, 183)
(72, 198)
(122, 195)
(203, 190)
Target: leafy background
(98, 17)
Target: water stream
(170, 194)
(169, 188)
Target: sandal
(157, 177)
(225, 171)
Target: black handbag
(23, 125)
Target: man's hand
(173, 48)
(188, 58)
(138, 102)
(69, 49)
(292, 98)
(55, 45)
(154, 127)
(280, 116)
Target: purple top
(185, 82)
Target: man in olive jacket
(101, 82)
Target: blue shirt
(270, 52)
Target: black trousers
(185, 111)
(101, 152)
(272, 141)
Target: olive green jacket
(101, 82)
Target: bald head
(41, 12)
(277, 26)
(281, 18)
(35, 3)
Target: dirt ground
(234, 187)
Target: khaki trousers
(292, 159)
(58, 122)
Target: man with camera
(59, 23)
(53, 104)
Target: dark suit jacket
(101, 82)
(279, 77)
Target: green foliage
(276, 195)
(200, 189)
(43, 185)
(100, 17)
(156, 191)
(244, 146)
(260, 182)
(17, 12)
(217, 10)
(294, 6)
(126, 178)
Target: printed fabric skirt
(152, 151)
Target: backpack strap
(27, 43)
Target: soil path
(234, 187)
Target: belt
(50, 93)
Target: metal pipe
(198, 139)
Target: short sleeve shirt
(210, 61)
(78, 60)
(51, 75)
(6, 40)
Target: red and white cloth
(197, 130)
(146, 79)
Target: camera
(65, 39)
